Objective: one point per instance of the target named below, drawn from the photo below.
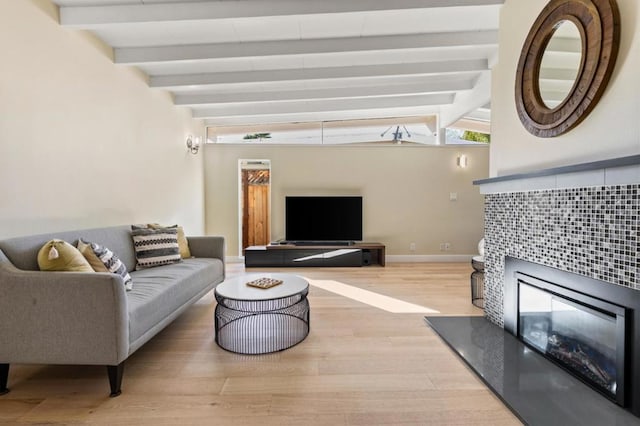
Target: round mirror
(554, 97)
(560, 65)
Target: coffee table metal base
(261, 326)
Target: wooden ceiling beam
(216, 51)
(329, 93)
(315, 106)
(91, 17)
(190, 81)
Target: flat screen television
(323, 218)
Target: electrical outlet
(442, 246)
(453, 196)
(412, 247)
(447, 246)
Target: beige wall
(611, 130)
(84, 142)
(405, 189)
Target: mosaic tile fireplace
(582, 221)
(588, 231)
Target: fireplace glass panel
(578, 337)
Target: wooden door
(256, 230)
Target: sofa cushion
(23, 251)
(183, 243)
(155, 247)
(158, 292)
(58, 255)
(102, 259)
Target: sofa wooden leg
(4, 378)
(115, 378)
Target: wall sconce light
(193, 144)
(462, 161)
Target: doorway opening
(255, 203)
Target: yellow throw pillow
(91, 257)
(183, 244)
(58, 255)
(102, 259)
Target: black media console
(316, 243)
(288, 255)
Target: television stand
(289, 255)
(320, 243)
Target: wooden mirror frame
(598, 22)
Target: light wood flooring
(359, 365)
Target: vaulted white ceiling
(242, 62)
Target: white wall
(84, 142)
(611, 130)
(405, 191)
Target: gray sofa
(89, 318)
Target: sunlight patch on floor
(376, 300)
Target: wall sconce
(462, 161)
(193, 144)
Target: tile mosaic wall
(588, 231)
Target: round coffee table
(251, 320)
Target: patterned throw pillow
(155, 247)
(102, 259)
(183, 243)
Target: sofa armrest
(62, 317)
(208, 246)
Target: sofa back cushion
(23, 251)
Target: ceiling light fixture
(397, 134)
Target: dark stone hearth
(535, 389)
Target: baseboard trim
(426, 258)
(234, 259)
